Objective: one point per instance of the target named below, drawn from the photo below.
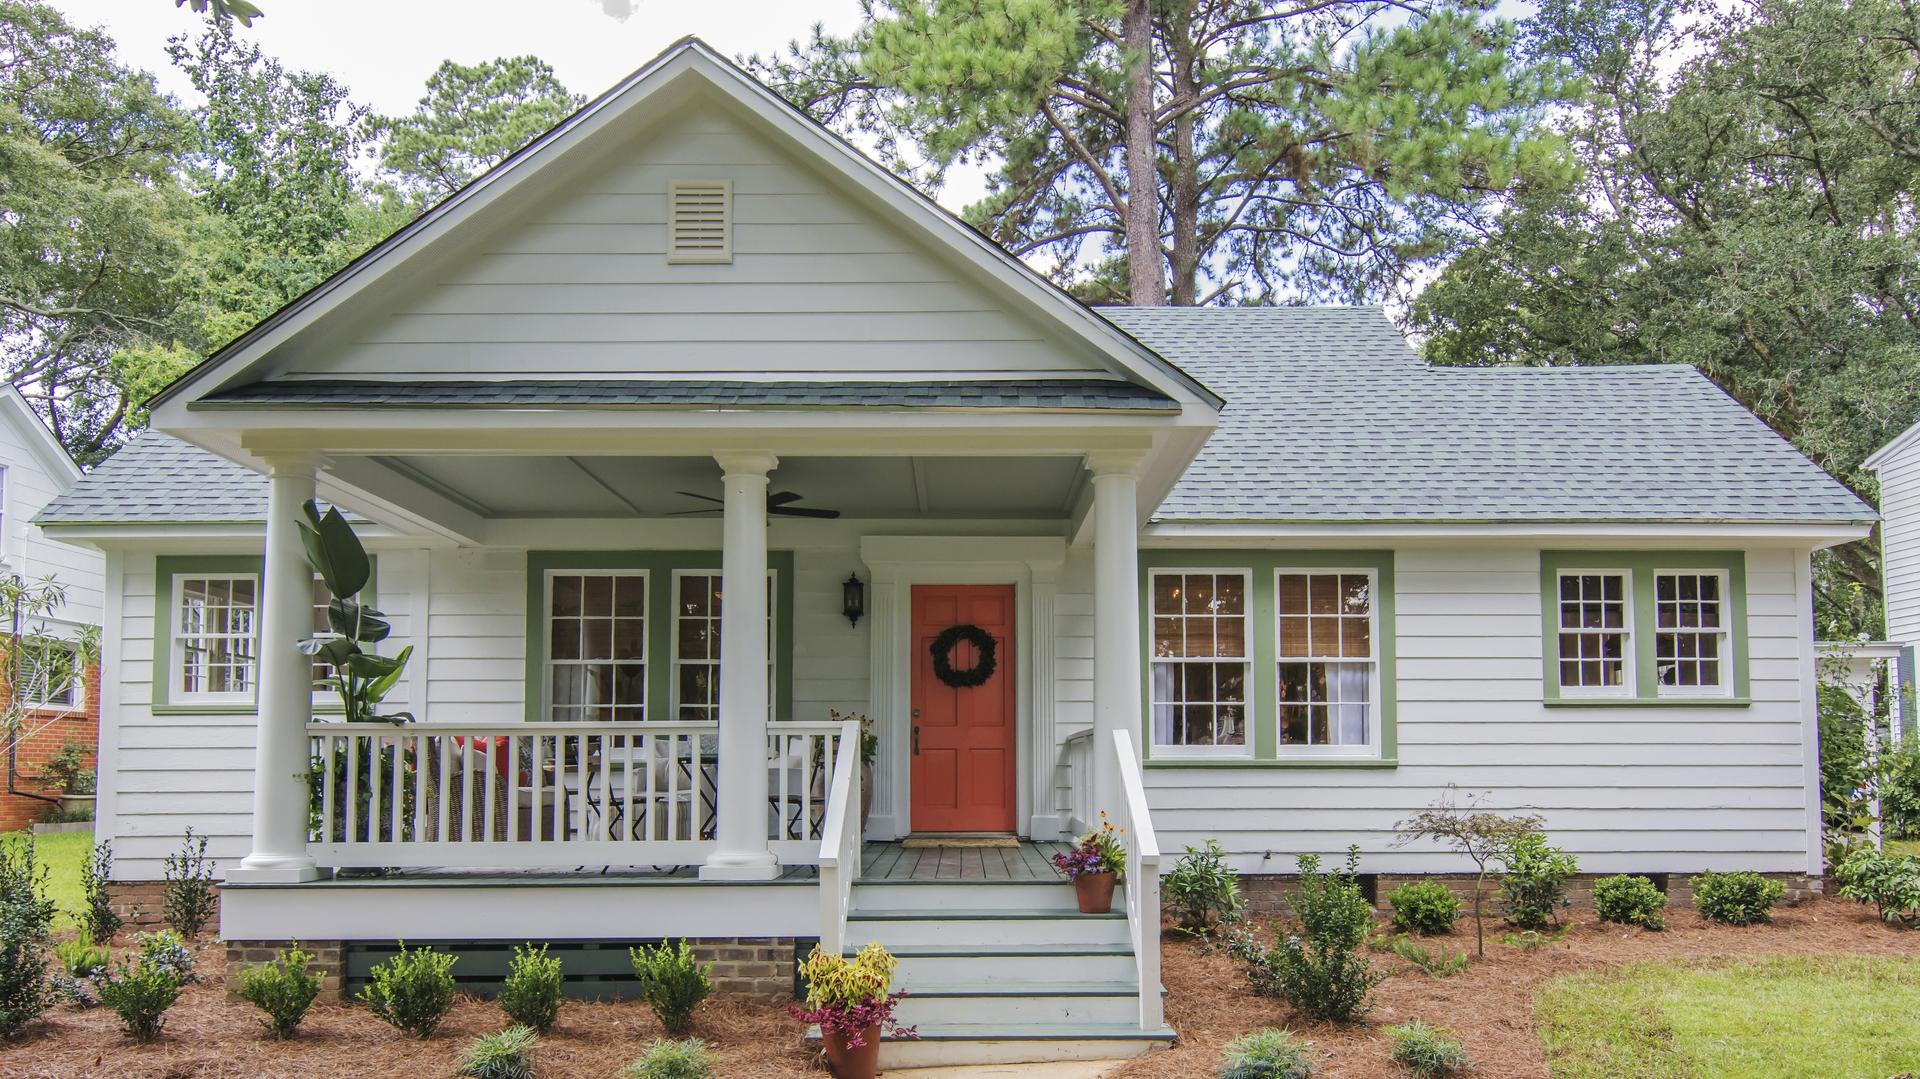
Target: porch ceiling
(859, 487)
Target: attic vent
(701, 221)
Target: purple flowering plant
(1099, 851)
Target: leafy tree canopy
(471, 118)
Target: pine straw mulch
(209, 1034)
(1488, 1006)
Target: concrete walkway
(1066, 1069)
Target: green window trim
(659, 567)
(1641, 567)
(166, 568)
(1263, 566)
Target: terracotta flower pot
(1094, 892)
(858, 1063)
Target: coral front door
(963, 736)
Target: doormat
(929, 842)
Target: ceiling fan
(779, 503)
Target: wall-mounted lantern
(853, 599)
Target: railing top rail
(845, 762)
(338, 726)
(1084, 734)
(1134, 790)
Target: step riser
(988, 933)
(924, 971)
(1039, 896)
(1012, 1013)
(935, 1054)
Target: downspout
(13, 708)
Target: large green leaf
(376, 690)
(334, 551)
(362, 623)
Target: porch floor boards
(893, 862)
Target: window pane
(1231, 594)
(1293, 637)
(566, 596)
(1199, 594)
(1231, 637)
(1356, 637)
(1166, 594)
(1323, 593)
(1293, 593)
(1166, 637)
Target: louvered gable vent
(700, 226)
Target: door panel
(963, 763)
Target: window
(1200, 661)
(1689, 632)
(49, 674)
(213, 637)
(1593, 633)
(596, 646)
(696, 645)
(1326, 662)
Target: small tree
(190, 901)
(97, 918)
(1482, 835)
(361, 678)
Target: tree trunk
(1147, 280)
(1184, 183)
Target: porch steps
(1003, 972)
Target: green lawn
(62, 855)
(1903, 846)
(1839, 1016)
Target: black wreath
(982, 642)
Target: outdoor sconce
(853, 599)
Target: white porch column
(740, 850)
(1116, 617)
(286, 685)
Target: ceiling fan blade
(781, 498)
(802, 511)
(685, 513)
(707, 498)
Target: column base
(741, 866)
(274, 869)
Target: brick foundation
(142, 904)
(328, 955)
(750, 966)
(44, 731)
(1266, 893)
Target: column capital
(1103, 463)
(293, 462)
(747, 463)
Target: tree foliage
(472, 117)
(1320, 149)
(1750, 212)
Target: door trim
(1032, 565)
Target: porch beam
(1116, 610)
(285, 702)
(740, 850)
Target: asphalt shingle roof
(1330, 417)
(1055, 393)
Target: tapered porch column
(285, 703)
(740, 849)
(1116, 617)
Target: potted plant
(851, 1002)
(68, 769)
(1094, 865)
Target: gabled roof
(1332, 417)
(158, 479)
(688, 59)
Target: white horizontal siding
(1900, 542)
(1649, 789)
(27, 550)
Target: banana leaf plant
(361, 677)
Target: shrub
(1265, 1054)
(97, 919)
(284, 988)
(412, 991)
(1426, 1051)
(189, 899)
(672, 1060)
(673, 982)
(1439, 965)
(1897, 779)
(1320, 970)
(506, 1055)
(1202, 889)
(1481, 835)
(166, 949)
(1890, 883)
(140, 993)
(1534, 883)
(26, 921)
(1425, 906)
(1742, 898)
(1630, 901)
(531, 994)
(81, 965)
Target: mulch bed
(1488, 1006)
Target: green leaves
(471, 118)
(238, 10)
(334, 551)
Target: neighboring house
(55, 693)
(1259, 576)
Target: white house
(1253, 575)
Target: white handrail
(1143, 881)
(840, 841)
(1077, 750)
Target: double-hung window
(596, 646)
(49, 674)
(696, 644)
(1690, 632)
(1327, 667)
(213, 626)
(1644, 627)
(1200, 662)
(1595, 636)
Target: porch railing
(1076, 755)
(840, 842)
(1143, 880)
(529, 795)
